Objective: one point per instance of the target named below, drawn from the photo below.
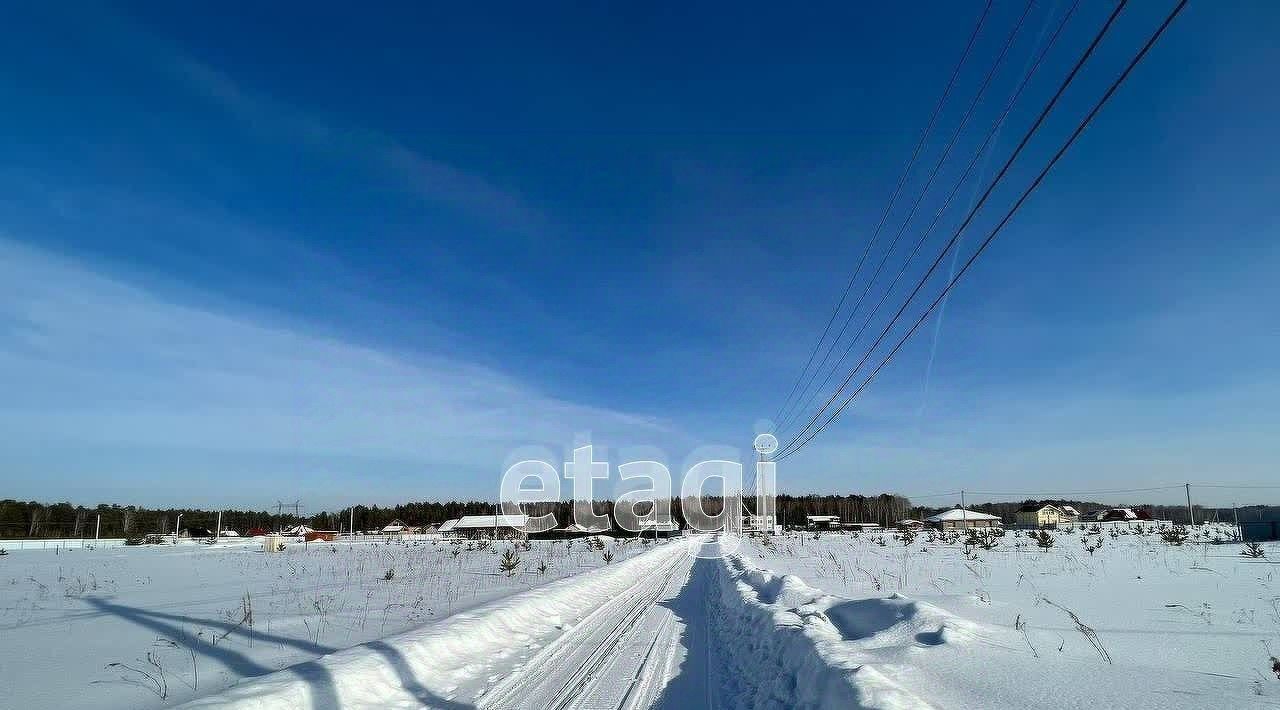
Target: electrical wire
(1026, 138)
(915, 154)
(793, 446)
(784, 425)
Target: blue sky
(305, 251)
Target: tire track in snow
(567, 673)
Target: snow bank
(785, 643)
(426, 666)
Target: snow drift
(793, 642)
(786, 644)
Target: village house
(654, 529)
(496, 527)
(1040, 515)
(569, 532)
(822, 522)
(961, 518)
(395, 527)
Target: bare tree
(37, 517)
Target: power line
(1227, 485)
(792, 446)
(915, 154)
(1041, 494)
(955, 255)
(946, 152)
(948, 494)
(973, 211)
(787, 448)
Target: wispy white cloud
(432, 180)
(89, 363)
(429, 179)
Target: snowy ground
(836, 621)
(925, 625)
(67, 616)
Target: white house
(395, 527)
(653, 528)
(822, 522)
(961, 518)
(491, 526)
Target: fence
(1260, 531)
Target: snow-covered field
(1135, 623)
(151, 626)
(826, 621)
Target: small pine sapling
(1044, 540)
(509, 561)
(1174, 535)
(1253, 550)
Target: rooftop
(491, 521)
(959, 514)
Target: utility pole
(352, 523)
(1191, 513)
(280, 506)
(964, 514)
(97, 527)
(1236, 513)
(218, 533)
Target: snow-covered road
(610, 639)
(619, 656)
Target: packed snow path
(608, 639)
(622, 655)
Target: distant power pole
(1191, 513)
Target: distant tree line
(1176, 513)
(884, 509)
(31, 519)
